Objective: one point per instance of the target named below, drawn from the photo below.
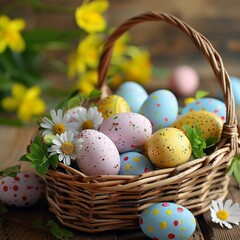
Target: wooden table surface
(16, 224)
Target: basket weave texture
(107, 202)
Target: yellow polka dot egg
(165, 221)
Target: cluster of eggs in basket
(141, 132)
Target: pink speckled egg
(99, 155)
(184, 81)
(24, 190)
(128, 131)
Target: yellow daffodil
(87, 82)
(138, 68)
(10, 34)
(88, 16)
(86, 55)
(26, 102)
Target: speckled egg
(99, 155)
(169, 147)
(184, 80)
(235, 81)
(133, 93)
(128, 131)
(161, 108)
(24, 190)
(209, 123)
(112, 105)
(207, 104)
(134, 163)
(167, 221)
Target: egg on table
(168, 147)
(161, 108)
(128, 131)
(134, 163)
(99, 155)
(165, 221)
(112, 105)
(133, 93)
(23, 190)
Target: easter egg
(168, 147)
(128, 131)
(207, 104)
(24, 190)
(235, 81)
(208, 123)
(184, 81)
(99, 155)
(161, 108)
(133, 93)
(112, 105)
(134, 163)
(167, 220)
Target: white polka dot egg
(165, 221)
(24, 190)
(99, 155)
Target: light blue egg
(134, 163)
(208, 104)
(133, 93)
(167, 220)
(235, 81)
(161, 108)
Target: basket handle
(203, 44)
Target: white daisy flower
(88, 119)
(67, 146)
(224, 214)
(59, 123)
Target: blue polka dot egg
(165, 220)
(134, 163)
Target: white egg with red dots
(99, 155)
(166, 221)
(24, 190)
(134, 163)
(128, 131)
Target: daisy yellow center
(68, 148)
(58, 128)
(88, 124)
(222, 215)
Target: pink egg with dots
(167, 221)
(99, 155)
(184, 81)
(24, 190)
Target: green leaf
(24, 158)
(58, 232)
(11, 171)
(53, 160)
(95, 94)
(3, 210)
(211, 141)
(200, 94)
(197, 142)
(73, 102)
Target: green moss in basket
(234, 168)
(199, 144)
(39, 157)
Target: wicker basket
(107, 202)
